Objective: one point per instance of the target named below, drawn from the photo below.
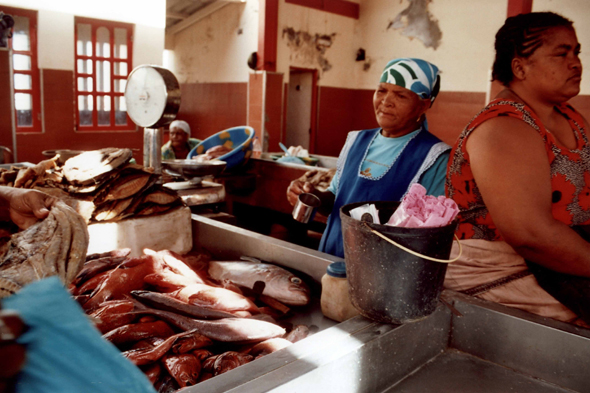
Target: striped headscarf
(416, 75)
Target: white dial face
(145, 96)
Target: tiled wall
(212, 107)
(58, 110)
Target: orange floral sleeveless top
(570, 172)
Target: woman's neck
(398, 133)
(543, 109)
(181, 152)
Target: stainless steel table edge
(554, 351)
(228, 240)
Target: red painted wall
(58, 109)
(339, 112)
(212, 107)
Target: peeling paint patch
(309, 49)
(417, 22)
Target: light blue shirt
(383, 152)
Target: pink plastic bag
(420, 210)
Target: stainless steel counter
(478, 346)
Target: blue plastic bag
(65, 352)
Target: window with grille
(103, 62)
(26, 88)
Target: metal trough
(471, 346)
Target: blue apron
(391, 187)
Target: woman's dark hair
(521, 36)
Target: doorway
(301, 112)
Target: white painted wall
(216, 48)
(56, 27)
(346, 39)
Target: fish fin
(258, 287)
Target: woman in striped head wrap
(382, 163)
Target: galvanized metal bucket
(387, 283)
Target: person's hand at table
(296, 188)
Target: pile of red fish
(185, 319)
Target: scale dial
(152, 96)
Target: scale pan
(190, 168)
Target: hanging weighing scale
(152, 96)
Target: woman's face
(178, 137)
(398, 109)
(554, 71)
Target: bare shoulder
(503, 134)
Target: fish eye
(295, 280)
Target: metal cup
(305, 208)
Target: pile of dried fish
(101, 185)
(56, 245)
(185, 319)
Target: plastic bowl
(237, 138)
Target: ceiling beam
(201, 14)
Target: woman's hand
(26, 207)
(12, 355)
(296, 188)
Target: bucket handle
(414, 252)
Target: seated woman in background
(180, 143)
(381, 164)
(520, 172)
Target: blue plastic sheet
(65, 352)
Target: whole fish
(241, 330)
(138, 331)
(214, 298)
(165, 302)
(280, 284)
(184, 368)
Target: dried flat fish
(87, 167)
(150, 209)
(83, 205)
(111, 210)
(29, 175)
(127, 186)
(78, 249)
(20, 263)
(58, 254)
(39, 251)
(160, 197)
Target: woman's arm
(510, 165)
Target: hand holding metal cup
(306, 207)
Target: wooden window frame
(95, 25)
(35, 90)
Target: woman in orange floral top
(520, 172)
